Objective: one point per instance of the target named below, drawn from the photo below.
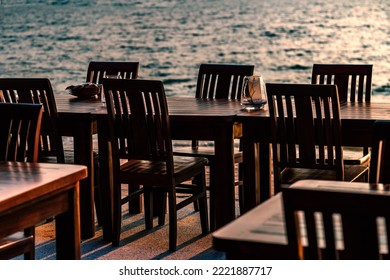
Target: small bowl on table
(85, 90)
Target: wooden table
(357, 125)
(33, 192)
(191, 118)
(260, 233)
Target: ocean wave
(176, 81)
(171, 38)
(292, 67)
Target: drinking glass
(106, 76)
(253, 95)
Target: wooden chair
(354, 83)
(306, 134)
(335, 223)
(380, 153)
(97, 70)
(19, 139)
(353, 80)
(38, 91)
(140, 134)
(223, 81)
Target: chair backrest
(97, 70)
(353, 80)
(334, 223)
(20, 126)
(380, 153)
(222, 80)
(37, 91)
(305, 127)
(138, 120)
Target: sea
(56, 39)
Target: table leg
(105, 178)
(83, 154)
(68, 228)
(224, 177)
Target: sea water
(171, 38)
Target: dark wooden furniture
(97, 70)
(306, 134)
(353, 80)
(20, 126)
(217, 81)
(380, 154)
(140, 133)
(33, 192)
(224, 81)
(39, 91)
(261, 232)
(357, 122)
(339, 223)
(190, 118)
(354, 84)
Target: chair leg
(97, 192)
(212, 198)
(135, 205)
(241, 198)
(98, 205)
(162, 207)
(172, 220)
(148, 206)
(202, 202)
(196, 204)
(117, 215)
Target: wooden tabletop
(33, 192)
(22, 182)
(178, 106)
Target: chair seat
(183, 168)
(351, 173)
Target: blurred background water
(170, 38)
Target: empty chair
(380, 153)
(337, 223)
(97, 70)
(306, 134)
(38, 91)
(222, 80)
(217, 81)
(353, 80)
(140, 135)
(354, 83)
(19, 139)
